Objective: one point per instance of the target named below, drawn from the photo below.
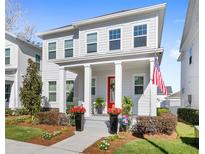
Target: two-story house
(189, 57)
(17, 52)
(110, 56)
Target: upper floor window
(93, 87)
(52, 50)
(114, 39)
(68, 46)
(38, 61)
(69, 91)
(52, 91)
(190, 55)
(92, 42)
(138, 85)
(7, 56)
(140, 35)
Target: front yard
(22, 128)
(182, 142)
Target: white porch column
(61, 89)
(153, 92)
(87, 89)
(118, 84)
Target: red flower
(114, 110)
(77, 109)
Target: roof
(169, 89)
(110, 16)
(175, 95)
(23, 40)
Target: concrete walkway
(76, 144)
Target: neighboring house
(17, 52)
(110, 56)
(173, 102)
(189, 57)
(161, 98)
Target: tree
(27, 32)
(30, 93)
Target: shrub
(99, 101)
(126, 105)
(52, 118)
(188, 115)
(21, 111)
(113, 137)
(8, 111)
(104, 145)
(20, 119)
(46, 136)
(164, 124)
(162, 110)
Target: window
(38, 60)
(140, 35)
(68, 46)
(138, 85)
(93, 87)
(114, 38)
(52, 50)
(52, 91)
(190, 55)
(91, 42)
(189, 99)
(7, 56)
(69, 90)
(7, 92)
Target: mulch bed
(125, 138)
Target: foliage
(99, 101)
(114, 111)
(164, 124)
(112, 137)
(30, 93)
(162, 110)
(14, 121)
(127, 105)
(49, 136)
(77, 109)
(71, 119)
(104, 145)
(22, 133)
(188, 115)
(8, 111)
(50, 117)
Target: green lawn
(21, 133)
(184, 144)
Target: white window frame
(133, 82)
(73, 89)
(52, 91)
(94, 86)
(133, 37)
(51, 50)
(108, 32)
(8, 56)
(86, 34)
(68, 48)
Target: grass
(22, 133)
(162, 146)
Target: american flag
(157, 78)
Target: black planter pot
(113, 123)
(99, 109)
(79, 121)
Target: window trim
(86, 50)
(133, 37)
(108, 38)
(52, 50)
(73, 89)
(7, 56)
(133, 82)
(70, 38)
(52, 91)
(95, 85)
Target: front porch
(111, 80)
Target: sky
(48, 14)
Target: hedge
(162, 110)
(188, 115)
(165, 124)
(52, 118)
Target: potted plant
(114, 112)
(78, 111)
(99, 105)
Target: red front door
(111, 91)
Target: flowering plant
(77, 109)
(114, 111)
